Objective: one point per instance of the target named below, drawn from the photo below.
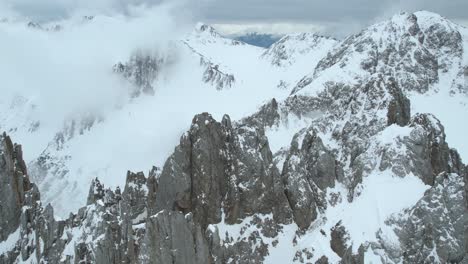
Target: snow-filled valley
(314, 150)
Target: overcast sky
(334, 17)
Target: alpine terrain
(314, 150)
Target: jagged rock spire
(14, 184)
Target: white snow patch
(280, 136)
(9, 243)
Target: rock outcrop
(219, 170)
(215, 76)
(309, 169)
(141, 71)
(172, 237)
(433, 230)
(14, 186)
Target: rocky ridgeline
(216, 173)
(212, 73)
(224, 173)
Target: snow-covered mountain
(331, 152)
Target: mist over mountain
(143, 137)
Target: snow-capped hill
(213, 73)
(304, 46)
(207, 33)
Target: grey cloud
(337, 17)
(323, 10)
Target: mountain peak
(204, 28)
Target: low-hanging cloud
(69, 71)
(334, 17)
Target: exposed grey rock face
(399, 107)
(22, 216)
(96, 192)
(350, 258)
(433, 231)
(215, 76)
(322, 260)
(308, 170)
(172, 237)
(14, 184)
(267, 116)
(134, 196)
(141, 70)
(212, 73)
(216, 169)
(339, 239)
(428, 149)
(222, 173)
